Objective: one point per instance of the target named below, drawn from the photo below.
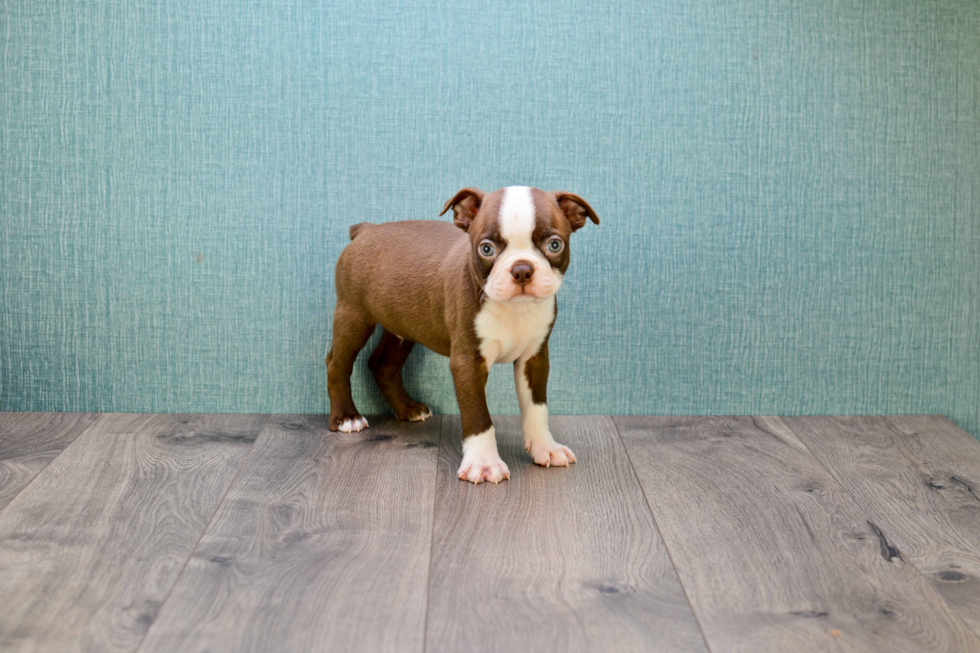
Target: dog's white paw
(353, 425)
(481, 462)
(421, 416)
(484, 468)
(549, 454)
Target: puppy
(480, 292)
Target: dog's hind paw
(349, 424)
(412, 411)
(420, 415)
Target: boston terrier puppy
(482, 292)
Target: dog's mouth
(503, 289)
(525, 298)
(517, 296)
(528, 295)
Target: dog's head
(519, 238)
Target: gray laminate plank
(919, 479)
(553, 559)
(773, 553)
(30, 441)
(321, 545)
(89, 551)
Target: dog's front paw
(348, 424)
(483, 468)
(481, 462)
(549, 454)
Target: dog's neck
(511, 331)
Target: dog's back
(394, 271)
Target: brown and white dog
(480, 296)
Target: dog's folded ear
(465, 205)
(575, 209)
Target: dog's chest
(511, 331)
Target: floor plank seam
(42, 470)
(432, 535)
(875, 529)
(234, 478)
(656, 523)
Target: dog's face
(519, 238)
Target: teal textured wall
(790, 195)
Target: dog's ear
(575, 209)
(465, 205)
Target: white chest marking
(513, 331)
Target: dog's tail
(358, 228)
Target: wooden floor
(263, 533)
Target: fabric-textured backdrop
(789, 193)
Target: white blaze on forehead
(516, 217)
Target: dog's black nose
(522, 271)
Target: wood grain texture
(919, 479)
(30, 441)
(89, 552)
(322, 544)
(773, 553)
(554, 559)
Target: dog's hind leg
(386, 364)
(351, 331)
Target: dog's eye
(555, 245)
(487, 250)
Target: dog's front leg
(481, 462)
(531, 380)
